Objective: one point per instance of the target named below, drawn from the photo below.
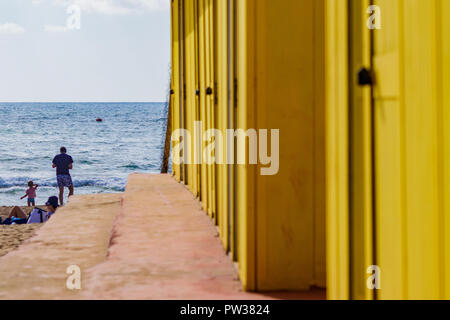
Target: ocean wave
(84, 161)
(13, 182)
(13, 190)
(24, 158)
(117, 184)
(163, 119)
(133, 166)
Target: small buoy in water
(99, 120)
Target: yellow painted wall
(245, 119)
(210, 100)
(277, 238)
(221, 117)
(360, 141)
(376, 159)
(175, 78)
(202, 19)
(336, 62)
(319, 145)
(406, 123)
(190, 78)
(444, 138)
(410, 164)
(287, 97)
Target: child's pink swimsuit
(31, 193)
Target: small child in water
(31, 193)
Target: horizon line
(83, 101)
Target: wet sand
(11, 237)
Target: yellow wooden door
(425, 100)
(387, 113)
(360, 144)
(245, 201)
(210, 105)
(182, 66)
(231, 124)
(444, 134)
(337, 163)
(190, 85)
(202, 18)
(196, 133)
(409, 158)
(221, 117)
(176, 81)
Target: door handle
(365, 77)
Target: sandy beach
(11, 237)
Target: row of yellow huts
(360, 93)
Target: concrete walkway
(160, 246)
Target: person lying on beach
(31, 193)
(17, 212)
(41, 216)
(18, 216)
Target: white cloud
(152, 5)
(107, 7)
(51, 28)
(11, 28)
(113, 7)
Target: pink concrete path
(164, 246)
(152, 242)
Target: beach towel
(15, 220)
(7, 222)
(38, 216)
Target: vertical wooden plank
(222, 120)
(337, 149)
(438, 66)
(196, 112)
(209, 99)
(190, 90)
(411, 152)
(231, 77)
(176, 80)
(361, 213)
(183, 78)
(445, 140)
(388, 140)
(421, 150)
(245, 199)
(319, 146)
(213, 78)
(202, 86)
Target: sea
(130, 139)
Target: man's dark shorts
(64, 180)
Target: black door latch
(365, 77)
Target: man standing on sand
(63, 163)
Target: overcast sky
(120, 53)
